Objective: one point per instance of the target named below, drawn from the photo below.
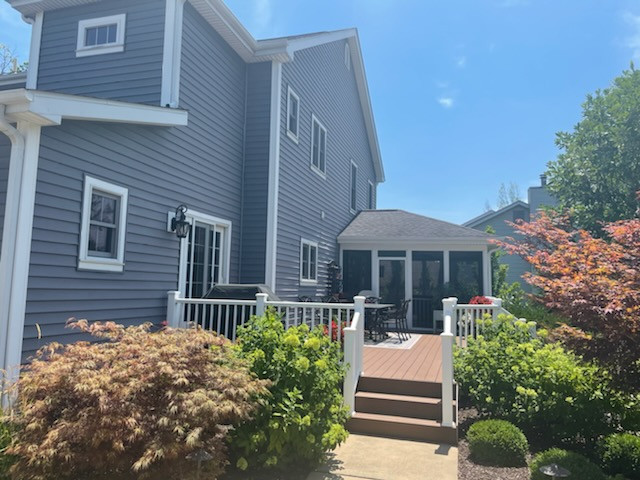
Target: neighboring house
(539, 197)
(129, 110)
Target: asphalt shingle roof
(405, 225)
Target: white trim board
(274, 176)
(172, 54)
(34, 51)
(48, 108)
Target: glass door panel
(391, 280)
(427, 287)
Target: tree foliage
(598, 171)
(9, 62)
(136, 405)
(592, 282)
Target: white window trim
(371, 199)
(309, 281)
(323, 174)
(351, 209)
(290, 134)
(86, 261)
(118, 46)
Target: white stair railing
(353, 353)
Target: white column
(486, 270)
(359, 308)
(447, 341)
(261, 303)
(447, 269)
(34, 51)
(375, 273)
(408, 284)
(16, 246)
(173, 312)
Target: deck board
(421, 362)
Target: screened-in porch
(398, 255)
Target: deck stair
(410, 409)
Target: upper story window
(371, 196)
(353, 197)
(97, 36)
(308, 261)
(293, 115)
(318, 146)
(518, 214)
(104, 220)
(347, 56)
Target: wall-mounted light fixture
(179, 223)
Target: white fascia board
(380, 243)
(52, 108)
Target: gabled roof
(280, 49)
(384, 225)
(474, 222)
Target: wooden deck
(421, 362)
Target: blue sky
(467, 94)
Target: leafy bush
(7, 432)
(497, 442)
(304, 416)
(134, 406)
(620, 454)
(581, 468)
(509, 375)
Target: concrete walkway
(363, 457)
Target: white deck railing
(340, 321)
(461, 322)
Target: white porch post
(16, 242)
(358, 307)
(173, 313)
(261, 303)
(447, 267)
(486, 271)
(447, 340)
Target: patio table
(375, 323)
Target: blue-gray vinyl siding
(310, 206)
(517, 266)
(134, 75)
(200, 165)
(256, 173)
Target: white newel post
(261, 303)
(358, 307)
(447, 338)
(498, 303)
(173, 312)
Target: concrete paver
(364, 457)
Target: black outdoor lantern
(179, 223)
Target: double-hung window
(97, 36)
(308, 261)
(293, 115)
(353, 191)
(104, 220)
(318, 146)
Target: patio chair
(398, 318)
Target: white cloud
(262, 16)
(633, 40)
(461, 62)
(446, 102)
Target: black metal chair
(398, 318)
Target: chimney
(543, 180)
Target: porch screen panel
(356, 272)
(466, 275)
(428, 280)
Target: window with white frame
(97, 36)
(347, 56)
(308, 261)
(318, 146)
(104, 220)
(371, 196)
(353, 197)
(293, 115)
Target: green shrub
(581, 467)
(7, 432)
(509, 375)
(304, 416)
(497, 442)
(134, 406)
(620, 454)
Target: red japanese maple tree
(592, 282)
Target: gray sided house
(499, 220)
(130, 109)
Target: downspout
(8, 247)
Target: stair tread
(398, 420)
(399, 397)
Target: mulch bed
(468, 470)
